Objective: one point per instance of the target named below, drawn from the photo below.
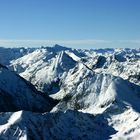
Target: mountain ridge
(92, 94)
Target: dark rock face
(18, 94)
(60, 125)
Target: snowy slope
(18, 94)
(8, 54)
(116, 99)
(61, 125)
(44, 68)
(124, 63)
(98, 109)
(88, 91)
(98, 92)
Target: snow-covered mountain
(116, 99)
(60, 126)
(98, 92)
(44, 69)
(18, 94)
(124, 63)
(8, 54)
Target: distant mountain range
(63, 93)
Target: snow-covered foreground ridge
(94, 94)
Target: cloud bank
(70, 43)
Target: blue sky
(73, 23)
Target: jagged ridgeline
(63, 93)
(18, 94)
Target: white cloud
(85, 43)
(130, 41)
(52, 42)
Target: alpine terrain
(59, 93)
